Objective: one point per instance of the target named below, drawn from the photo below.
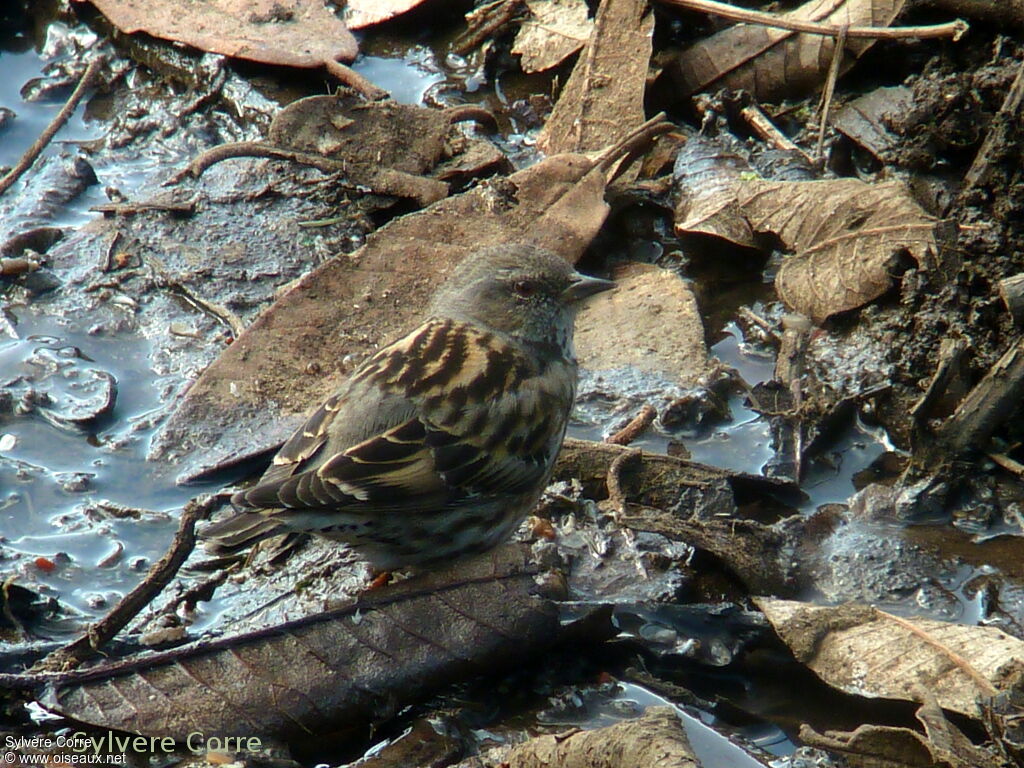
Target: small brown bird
(442, 442)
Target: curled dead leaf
(772, 63)
(868, 652)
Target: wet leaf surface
(353, 666)
(868, 119)
(292, 33)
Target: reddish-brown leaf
(291, 33)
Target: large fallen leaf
(554, 32)
(772, 63)
(846, 236)
(354, 666)
(291, 33)
(300, 349)
(867, 652)
(604, 97)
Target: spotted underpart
(442, 458)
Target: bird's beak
(583, 286)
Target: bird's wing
(485, 420)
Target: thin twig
(214, 155)
(767, 130)
(1010, 465)
(616, 493)
(212, 308)
(91, 72)
(954, 29)
(357, 82)
(159, 576)
(830, 87)
(635, 428)
(636, 139)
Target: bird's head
(521, 291)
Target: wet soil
(98, 346)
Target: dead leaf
(253, 396)
(382, 145)
(649, 321)
(943, 744)
(773, 64)
(556, 30)
(290, 33)
(604, 97)
(354, 666)
(846, 236)
(707, 176)
(359, 14)
(866, 652)
(654, 740)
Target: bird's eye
(524, 289)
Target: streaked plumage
(442, 442)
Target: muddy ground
(170, 316)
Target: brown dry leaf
(707, 177)
(846, 236)
(604, 97)
(557, 29)
(260, 388)
(291, 33)
(655, 740)
(866, 652)
(354, 666)
(942, 745)
(773, 64)
(365, 13)
(649, 321)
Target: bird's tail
(237, 532)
